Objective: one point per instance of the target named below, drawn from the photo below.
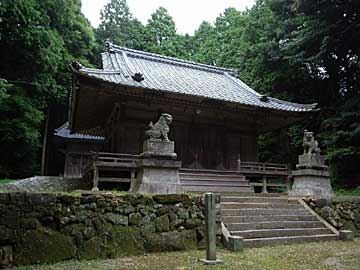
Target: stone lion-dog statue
(310, 144)
(160, 130)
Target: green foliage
(299, 50)
(119, 26)
(38, 40)
(5, 181)
(347, 192)
(19, 131)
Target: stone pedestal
(158, 169)
(311, 178)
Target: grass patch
(322, 256)
(5, 181)
(347, 192)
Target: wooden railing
(266, 182)
(262, 168)
(115, 159)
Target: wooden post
(288, 183)
(264, 182)
(210, 229)
(238, 163)
(95, 179)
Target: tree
(163, 38)
(38, 40)
(119, 26)
(19, 130)
(321, 37)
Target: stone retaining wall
(342, 213)
(45, 228)
(45, 184)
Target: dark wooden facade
(208, 134)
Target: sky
(187, 14)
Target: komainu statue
(310, 144)
(160, 130)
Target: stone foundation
(342, 213)
(310, 182)
(46, 228)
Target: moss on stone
(135, 218)
(171, 198)
(162, 223)
(43, 246)
(92, 249)
(124, 241)
(171, 241)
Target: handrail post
(95, 179)
(238, 163)
(264, 182)
(288, 183)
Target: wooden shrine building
(217, 117)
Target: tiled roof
(173, 75)
(64, 132)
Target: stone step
(262, 195)
(262, 212)
(267, 218)
(214, 188)
(212, 172)
(212, 180)
(264, 233)
(273, 225)
(236, 205)
(213, 183)
(256, 198)
(272, 241)
(211, 176)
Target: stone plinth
(311, 161)
(158, 149)
(158, 169)
(311, 182)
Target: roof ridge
(113, 47)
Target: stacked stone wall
(45, 228)
(342, 213)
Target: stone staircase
(213, 181)
(268, 220)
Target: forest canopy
(304, 51)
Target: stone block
(311, 161)
(43, 246)
(6, 257)
(346, 235)
(4, 198)
(171, 198)
(117, 219)
(236, 243)
(135, 218)
(171, 241)
(162, 224)
(310, 182)
(17, 198)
